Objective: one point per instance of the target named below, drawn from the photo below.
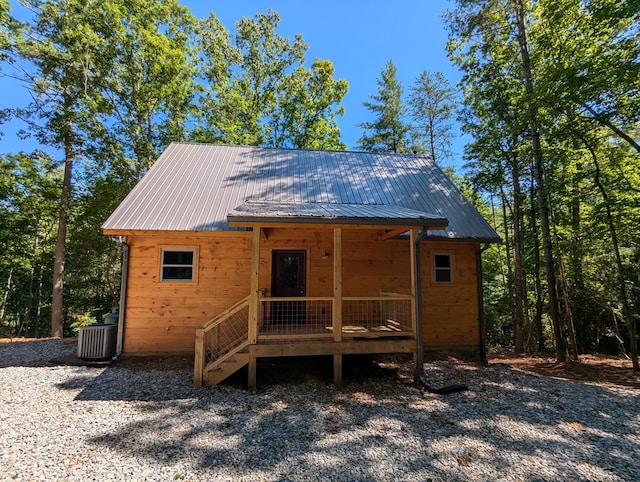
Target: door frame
(295, 306)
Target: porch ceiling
(263, 212)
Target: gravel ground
(65, 422)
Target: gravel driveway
(79, 423)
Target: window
(178, 265)
(442, 268)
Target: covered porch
(272, 322)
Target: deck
(302, 326)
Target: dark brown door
(289, 275)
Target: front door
(289, 275)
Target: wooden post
(198, 363)
(251, 381)
(337, 284)
(412, 242)
(253, 301)
(337, 370)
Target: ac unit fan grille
(97, 342)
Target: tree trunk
(541, 184)
(5, 296)
(58, 264)
(622, 287)
(519, 303)
(573, 346)
(537, 322)
(509, 261)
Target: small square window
(442, 268)
(178, 265)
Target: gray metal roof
(333, 213)
(193, 187)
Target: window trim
(442, 269)
(193, 265)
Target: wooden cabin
(236, 253)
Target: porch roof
(256, 212)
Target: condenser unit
(97, 342)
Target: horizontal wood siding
(450, 310)
(163, 316)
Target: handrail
(220, 317)
(199, 367)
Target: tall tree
(147, 84)
(307, 109)
(432, 106)
(59, 50)
(488, 41)
(388, 132)
(258, 92)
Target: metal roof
(193, 187)
(332, 213)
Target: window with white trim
(443, 268)
(178, 265)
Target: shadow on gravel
(166, 385)
(37, 352)
(521, 426)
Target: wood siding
(162, 317)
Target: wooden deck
(390, 329)
(302, 326)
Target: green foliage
(258, 91)
(83, 319)
(432, 105)
(388, 132)
(147, 82)
(29, 189)
(584, 56)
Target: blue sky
(358, 36)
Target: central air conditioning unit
(97, 342)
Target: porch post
(412, 253)
(337, 303)
(337, 284)
(253, 301)
(252, 335)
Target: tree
(487, 41)
(432, 105)
(307, 109)
(547, 101)
(258, 91)
(147, 83)
(59, 50)
(388, 132)
(29, 190)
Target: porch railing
(299, 319)
(311, 317)
(220, 338)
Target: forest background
(548, 101)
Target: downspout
(120, 241)
(483, 328)
(418, 300)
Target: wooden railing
(300, 319)
(221, 338)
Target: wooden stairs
(226, 368)
(222, 345)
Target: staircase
(226, 368)
(221, 345)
